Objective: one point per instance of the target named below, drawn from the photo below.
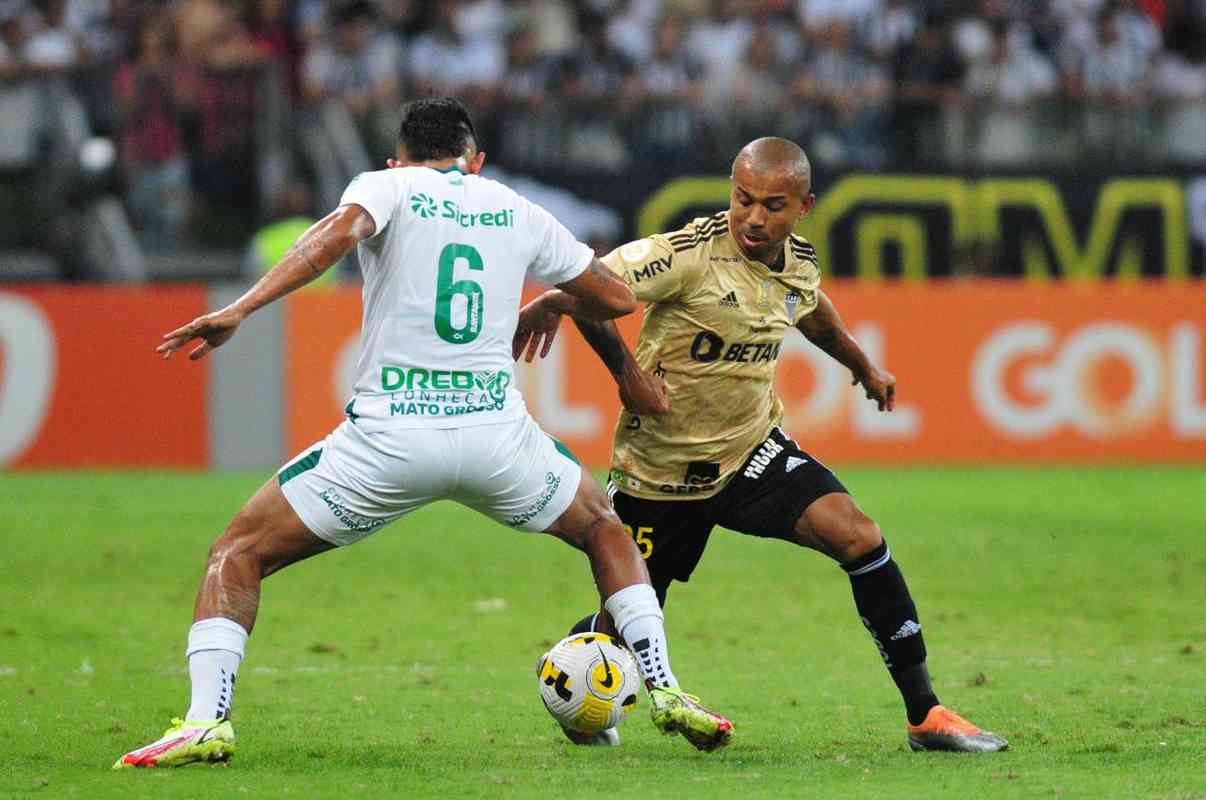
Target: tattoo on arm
(604, 339)
(300, 249)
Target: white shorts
(353, 483)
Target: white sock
(215, 649)
(638, 618)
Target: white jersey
(443, 275)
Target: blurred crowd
(600, 84)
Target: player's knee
(862, 535)
(601, 523)
(238, 543)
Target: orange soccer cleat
(943, 729)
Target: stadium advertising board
(81, 384)
(1079, 224)
(988, 371)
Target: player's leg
(788, 494)
(530, 481)
(318, 501)
(628, 509)
(632, 605)
(671, 537)
(264, 537)
(835, 525)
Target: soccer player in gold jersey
(699, 444)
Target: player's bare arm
(824, 328)
(640, 392)
(314, 252)
(597, 294)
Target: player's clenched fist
(214, 328)
(641, 392)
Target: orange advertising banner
(82, 385)
(987, 371)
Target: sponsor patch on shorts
(353, 520)
(552, 482)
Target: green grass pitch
(1063, 608)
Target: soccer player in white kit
(434, 413)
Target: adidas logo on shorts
(793, 462)
(909, 628)
(729, 300)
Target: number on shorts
(646, 545)
(447, 288)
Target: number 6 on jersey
(446, 289)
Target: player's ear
(476, 163)
(810, 200)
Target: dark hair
(353, 12)
(434, 128)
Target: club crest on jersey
(790, 302)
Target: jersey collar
(790, 263)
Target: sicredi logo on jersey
(426, 207)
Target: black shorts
(764, 498)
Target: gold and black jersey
(714, 324)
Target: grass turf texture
(1062, 609)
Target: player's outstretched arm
(824, 328)
(640, 392)
(314, 252)
(597, 294)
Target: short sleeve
(559, 256)
(647, 266)
(804, 292)
(376, 193)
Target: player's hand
(641, 392)
(536, 330)
(214, 328)
(880, 386)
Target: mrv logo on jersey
(425, 206)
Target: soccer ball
(588, 682)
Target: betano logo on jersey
(425, 206)
(708, 347)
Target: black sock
(584, 625)
(887, 611)
(914, 685)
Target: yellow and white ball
(588, 682)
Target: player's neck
(779, 261)
(439, 165)
(775, 261)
